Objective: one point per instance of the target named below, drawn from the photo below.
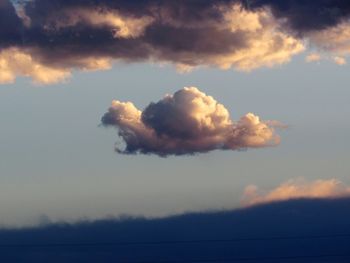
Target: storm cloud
(58, 36)
(187, 122)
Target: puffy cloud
(294, 189)
(187, 122)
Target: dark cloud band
(62, 35)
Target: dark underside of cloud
(291, 231)
(59, 35)
(302, 15)
(305, 15)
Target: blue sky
(62, 63)
(56, 160)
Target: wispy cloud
(339, 60)
(313, 57)
(294, 189)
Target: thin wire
(344, 256)
(172, 242)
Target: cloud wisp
(60, 35)
(295, 189)
(187, 122)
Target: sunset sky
(62, 63)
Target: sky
(58, 158)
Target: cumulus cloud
(294, 189)
(187, 122)
(238, 34)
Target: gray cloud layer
(187, 122)
(55, 36)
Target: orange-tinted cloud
(339, 60)
(294, 189)
(16, 62)
(187, 122)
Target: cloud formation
(294, 189)
(187, 122)
(240, 34)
